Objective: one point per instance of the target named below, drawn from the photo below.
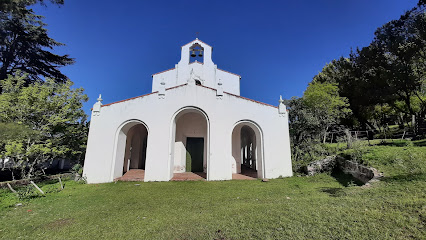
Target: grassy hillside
(318, 207)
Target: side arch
(120, 146)
(247, 148)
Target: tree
(25, 44)
(324, 102)
(16, 5)
(49, 119)
(304, 129)
(390, 71)
(396, 58)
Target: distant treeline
(379, 85)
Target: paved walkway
(137, 175)
(246, 174)
(189, 176)
(239, 176)
(133, 175)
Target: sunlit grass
(316, 207)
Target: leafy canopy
(25, 45)
(48, 117)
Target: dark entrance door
(194, 154)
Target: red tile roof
(105, 105)
(167, 89)
(248, 99)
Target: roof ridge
(141, 96)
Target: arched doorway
(190, 144)
(247, 150)
(135, 153)
(131, 151)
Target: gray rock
(363, 173)
(325, 165)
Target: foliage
(77, 169)
(311, 117)
(324, 102)
(50, 120)
(304, 129)
(279, 209)
(389, 74)
(25, 44)
(395, 60)
(12, 130)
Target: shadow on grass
(344, 179)
(334, 192)
(405, 178)
(420, 143)
(404, 143)
(396, 143)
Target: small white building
(193, 121)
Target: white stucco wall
(223, 113)
(207, 72)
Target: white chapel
(193, 121)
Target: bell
(193, 54)
(200, 54)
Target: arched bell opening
(131, 151)
(247, 150)
(190, 145)
(196, 53)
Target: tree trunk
(348, 138)
(325, 135)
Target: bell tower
(196, 60)
(198, 51)
(197, 68)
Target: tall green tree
(326, 104)
(390, 71)
(396, 59)
(46, 121)
(25, 44)
(305, 128)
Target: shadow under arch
(176, 148)
(247, 149)
(121, 143)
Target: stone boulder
(363, 173)
(325, 165)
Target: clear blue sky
(276, 46)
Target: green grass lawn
(316, 207)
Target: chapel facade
(194, 120)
